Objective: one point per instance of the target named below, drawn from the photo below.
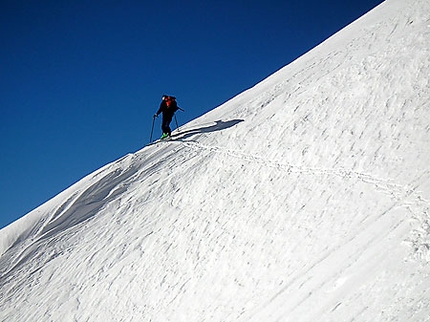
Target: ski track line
(398, 192)
(405, 196)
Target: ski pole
(176, 120)
(152, 129)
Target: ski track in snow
(397, 191)
(402, 195)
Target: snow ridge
(305, 198)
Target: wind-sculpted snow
(305, 198)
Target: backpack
(171, 101)
(171, 104)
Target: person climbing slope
(168, 107)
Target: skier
(168, 107)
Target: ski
(167, 139)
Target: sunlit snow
(305, 198)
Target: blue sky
(81, 80)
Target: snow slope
(305, 198)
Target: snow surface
(305, 198)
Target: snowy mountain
(305, 198)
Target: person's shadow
(218, 126)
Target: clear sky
(80, 80)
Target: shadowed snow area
(305, 198)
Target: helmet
(163, 97)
